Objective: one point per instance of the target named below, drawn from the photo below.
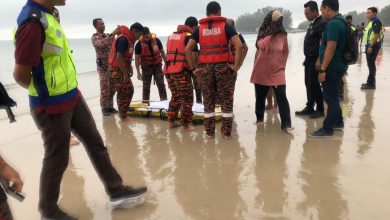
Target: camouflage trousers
(182, 98)
(5, 212)
(217, 80)
(198, 91)
(125, 92)
(147, 76)
(107, 89)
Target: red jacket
(176, 59)
(125, 32)
(149, 57)
(214, 45)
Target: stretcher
(159, 109)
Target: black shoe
(321, 133)
(368, 86)
(317, 114)
(113, 110)
(59, 216)
(128, 196)
(305, 111)
(364, 84)
(106, 112)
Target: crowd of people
(203, 55)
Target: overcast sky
(162, 16)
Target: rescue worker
(374, 38)
(178, 75)
(244, 45)
(149, 54)
(121, 55)
(217, 70)
(44, 65)
(102, 43)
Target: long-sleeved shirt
(270, 63)
(102, 43)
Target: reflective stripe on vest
(176, 59)
(214, 45)
(369, 34)
(56, 75)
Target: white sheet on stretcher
(197, 108)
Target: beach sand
(261, 173)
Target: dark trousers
(371, 58)
(331, 87)
(147, 75)
(56, 131)
(313, 87)
(261, 92)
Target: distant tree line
(359, 18)
(250, 22)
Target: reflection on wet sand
(126, 155)
(323, 198)
(366, 129)
(271, 169)
(73, 187)
(207, 177)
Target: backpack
(351, 52)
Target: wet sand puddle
(261, 173)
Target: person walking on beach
(102, 43)
(44, 65)
(149, 54)
(120, 59)
(178, 75)
(269, 68)
(374, 35)
(217, 70)
(361, 31)
(332, 66)
(311, 50)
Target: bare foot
(73, 141)
(172, 125)
(288, 130)
(210, 137)
(127, 120)
(188, 128)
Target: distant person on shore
(149, 54)
(217, 70)
(332, 66)
(120, 67)
(374, 35)
(44, 65)
(179, 75)
(9, 175)
(102, 43)
(311, 51)
(360, 29)
(269, 68)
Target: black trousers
(371, 58)
(313, 87)
(334, 116)
(281, 98)
(56, 131)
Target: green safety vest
(58, 63)
(369, 34)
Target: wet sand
(261, 173)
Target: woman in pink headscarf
(269, 68)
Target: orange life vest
(214, 45)
(176, 59)
(125, 32)
(148, 57)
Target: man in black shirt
(311, 51)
